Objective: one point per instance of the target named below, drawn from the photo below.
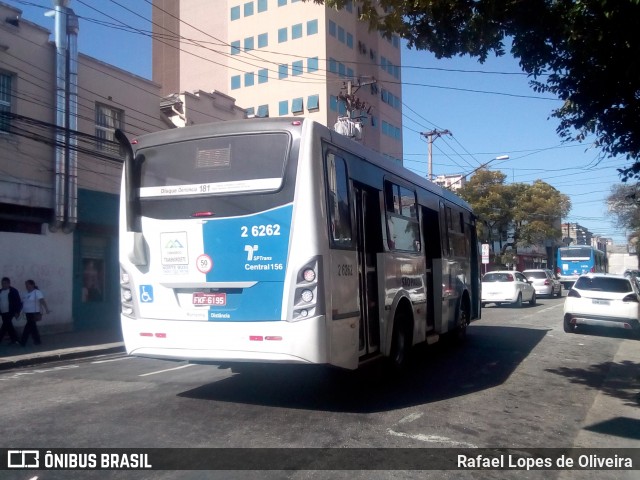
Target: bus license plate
(216, 299)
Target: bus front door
(433, 259)
(369, 243)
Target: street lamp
(500, 157)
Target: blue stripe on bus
(250, 249)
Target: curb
(58, 355)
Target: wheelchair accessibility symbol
(146, 293)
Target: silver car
(544, 281)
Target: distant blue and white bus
(579, 259)
(279, 240)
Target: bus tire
(401, 342)
(459, 334)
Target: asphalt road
(519, 382)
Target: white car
(604, 300)
(507, 286)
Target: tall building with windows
(283, 58)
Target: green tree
(624, 204)
(531, 214)
(487, 194)
(538, 209)
(585, 52)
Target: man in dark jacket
(10, 307)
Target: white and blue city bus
(576, 260)
(279, 240)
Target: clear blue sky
(489, 114)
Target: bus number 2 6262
(260, 231)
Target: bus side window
(339, 204)
(456, 231)
(403, 228)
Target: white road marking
(560, 305)
(112, 360)
(410, 418)
(433, 439)
(38, 370)
(167, 370)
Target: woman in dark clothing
(10, 307)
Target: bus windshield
(224, 164)
(575, 253)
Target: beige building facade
(283, 58)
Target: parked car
(604, 300)
(507, 286)
(544, 282)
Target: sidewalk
(61, 346)
(613, 420)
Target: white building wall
(619, 262)
(45, 259)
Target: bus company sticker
(204, 263)
(175, 269)
(174, 248)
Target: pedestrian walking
(33, 303)
(10, 307)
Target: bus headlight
(309, 275)
(126, 295)
(307, 296)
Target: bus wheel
(459, 334)
(401, 344)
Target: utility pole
(347, 126)
(431, 135)
(351, 101)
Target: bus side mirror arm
(132, 182)
(137, 252)
(134, 238)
